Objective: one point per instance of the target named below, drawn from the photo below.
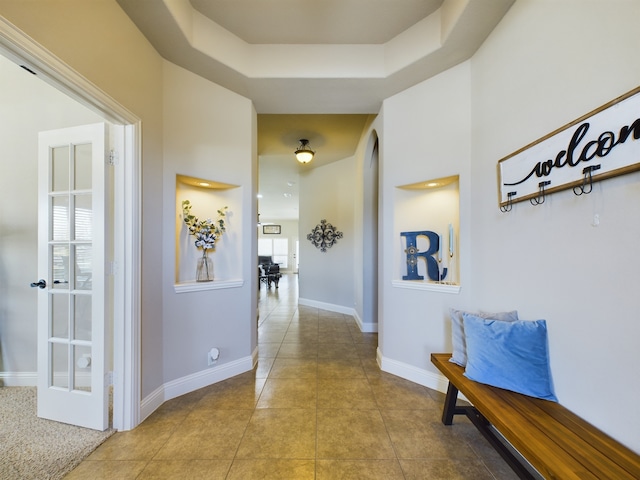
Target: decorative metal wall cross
(324, 235)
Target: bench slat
(592, 447)
(558, 443)
(610, 448)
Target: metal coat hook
(507, 208)
(587, 180)
(539, 200)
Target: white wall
(546, 64)
(327, 193)
(426, 135)
(28, 106)
(549, 261)
(208, 135)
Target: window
(278, 248)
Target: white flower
(206, 231)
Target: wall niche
(431, 207)
(207, 197)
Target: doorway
(40, 68)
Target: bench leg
(482, 424)
(484, 427)
(450, 400)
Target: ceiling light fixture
(304, 154)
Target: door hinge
(114, 158)
(112, 268)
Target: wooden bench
(555, 441)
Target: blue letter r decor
(412, 256)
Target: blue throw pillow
(459, 355)
(509, 355)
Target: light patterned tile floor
(316, 407)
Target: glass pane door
(71, 257)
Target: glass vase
(204, 271)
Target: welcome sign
(602, 144)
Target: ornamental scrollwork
(324, 235)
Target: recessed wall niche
(428, 206)
(207, 197)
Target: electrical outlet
(212, 356)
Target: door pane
(82, 280)
(82, 317)
(60, 217)
(83, 217)
(60, 315)
(60, 267)
(82, 368)
(82, 167)
(60, 169)
(60, 365)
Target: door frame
(24, 51)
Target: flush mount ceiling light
(304, 154)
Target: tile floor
(317, 406)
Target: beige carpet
(34, 448)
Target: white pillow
(459, 355)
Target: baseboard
(431, 380)
(151, 403)
(326, 306)
(18, 379)
(365, 327)
(195, 381)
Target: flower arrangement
(206, 231)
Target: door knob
(40, 284)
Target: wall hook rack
(539, 200)
(507, 208)
(587, 181)
(600, 145)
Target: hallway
(317, 406)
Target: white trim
(202, 286)
(18, 379)
(420, 285)
(151, 403)
(127, 361)
(195, 381)
(431, 380)
(327, 306)
(365, 327)
(414, 374)
(23, 50)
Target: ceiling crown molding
(316, 78)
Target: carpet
(35, 448)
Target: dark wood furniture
(555, 441)
(269, 271)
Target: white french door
(72, 246)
